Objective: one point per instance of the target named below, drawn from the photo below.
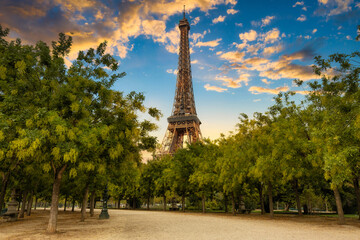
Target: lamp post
(104, 211)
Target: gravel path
(126, 224)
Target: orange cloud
(258, 90)
(272, 35)
(219, 19)
(272, 49)
(248, 36)
(266, 21)
(212, 43)
(231, 11)
(208, 87)
(234, 56)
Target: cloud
(197, 36)
(314, 31)
(155, 28)
(253, 49)
(284, 66)
(285, 69)
(302, 18)
(335, 7)
(248, 36)
(233, 56)
(272, 49)
(93, 21)
(212, 43)
(195, 21)
(208, 87)
(298, 4)
(272, 35)
(255, 61)
(231, 11)
(257, 100)
(239, 24)
(302, 92)
(219, 19)
(259, 90)
(233, 83)
(264, 80)
(194, 61)
(348, 37)
(266, 21)
(241, 45)
(173, 71)
(232, 2)
(342, 6)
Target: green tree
(204, 177)
(181, 167)
(335, 100)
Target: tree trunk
(73, 205)
(134, 203)
(339, 206)
(233, 204)
(30, 201)
(164, 203)
(45, 206)
(225, 202)
(23, 204)
(148, 203)
(35, 202)
(261, 200)
(326, 206)
(306, 209)
(357, 192)
(51, 228)
(92, 205)
(84, 203)
(118, 202)
(271, 203)
(287, 207)
(183, 203)
(298, 204)
(203, 203)
(65, 203)
(4, 184)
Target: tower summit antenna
(184, 11)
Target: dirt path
(127, 224)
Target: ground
(130, 224)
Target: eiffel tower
(184, 125)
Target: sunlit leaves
(20, 67)
(71, 156)
(115, 151)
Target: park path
(127, 224)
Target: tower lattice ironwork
(184, 125)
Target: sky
(243, 53)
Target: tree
(204, 177)
(181, 168)
(72, 119)
(335, 100)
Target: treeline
(303, 153)
(64, 132)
